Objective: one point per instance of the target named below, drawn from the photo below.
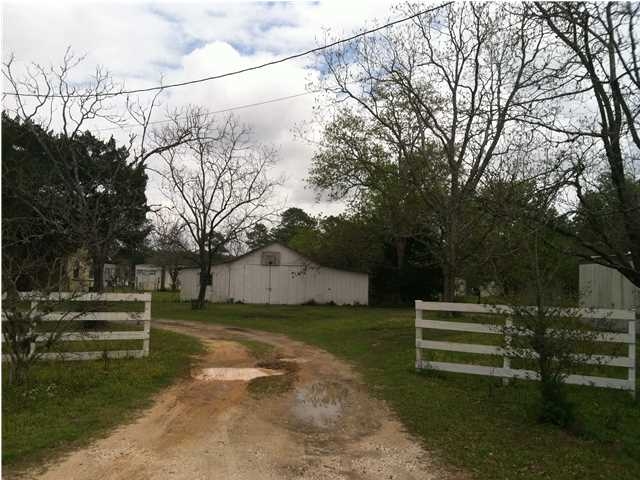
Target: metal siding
(188, 279)
(604, 287)
(236, 286)
(254, 282)
(218, 291)
(294, 281)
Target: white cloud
(138, 42)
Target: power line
(228, 109)
(244, 70)
(225, 110)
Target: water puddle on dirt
(320, 404)
(231, 374)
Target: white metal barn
(604, 287)
(277, 274)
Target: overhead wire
(224, 110)
(243, 70)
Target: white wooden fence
(69, 316)
(506, 371)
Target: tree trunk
(98, 286)
(629, 207)
(450, 261)
(173, 273)
(449, 284)
(132, 276)
(162, 274)
(98, 275)
(401, 248)
(204, 281)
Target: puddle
(320, 404)
(231, 374)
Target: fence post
(632, 357)
(147, 327)
(32, 313)
(506, 360)
(418, 339)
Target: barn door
(269, 284)
(270, 260)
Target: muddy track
(323, 426)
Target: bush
(553, 342)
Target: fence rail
(78, 316)
(505, 371)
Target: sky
(138, 42)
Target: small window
(271, 258)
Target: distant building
(276, 274)
(484, 290)
(117, 276)
(604, 287)
(149, 277)
(78, 274)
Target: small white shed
(149, 277)
(276, 274)
(603, 287)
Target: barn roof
(595, 259)
(250, 252)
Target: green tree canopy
(293, 220)
(82, 191)
(258, 236)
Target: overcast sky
(140, 41)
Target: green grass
(470, 422)
(167, 296)
(66, 404)
(259, 350)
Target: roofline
(231, 260)
(593, 260)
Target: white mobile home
(276, 274)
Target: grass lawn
(469, 421)
(68, 403)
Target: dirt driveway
(323, 426)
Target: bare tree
(600, 41)
(171, 247)
(217, 183)
(56, 102)
(458, 78)
(55, 98)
